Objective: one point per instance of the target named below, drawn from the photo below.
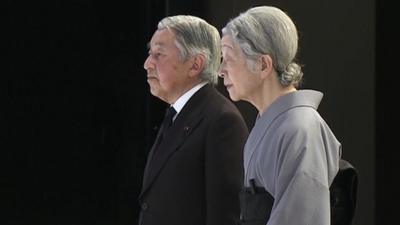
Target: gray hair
(195, 36)
(268, 30)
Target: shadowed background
(79, 118)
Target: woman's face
(239, 80)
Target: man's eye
(156, 55)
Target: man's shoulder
(210, 101)
(217, 100)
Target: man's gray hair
(195, 36)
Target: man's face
(166, 71)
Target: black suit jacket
(194, 176)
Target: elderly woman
(291, 156)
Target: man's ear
(198, 64)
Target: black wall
(79, 117)
(387, 114)
(75, 112)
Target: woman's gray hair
(268, 30)
(195, 36)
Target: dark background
(79, 118)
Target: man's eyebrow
(155, 45)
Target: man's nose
(148, 64)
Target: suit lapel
(150, 156)
(187, 121)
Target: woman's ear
(266, 64)
(198, 63)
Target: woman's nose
(221, 69)
(221, 72)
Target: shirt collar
(181, 102)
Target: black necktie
(166, 124)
